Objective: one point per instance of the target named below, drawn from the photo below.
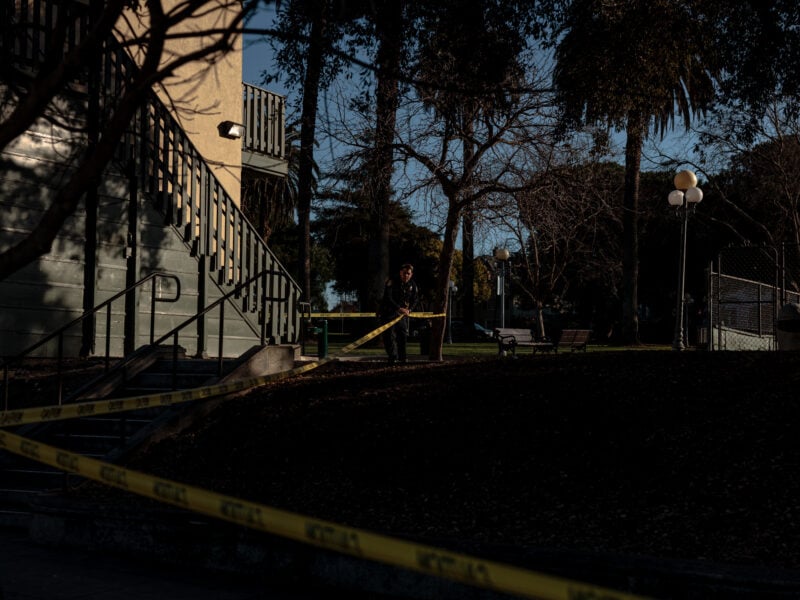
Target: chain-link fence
(747, 287)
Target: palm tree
(269, 202)
(633, 65)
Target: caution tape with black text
(432, 560)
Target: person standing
(400, 296)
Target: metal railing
(184, 189)
(58, 334)
(175, 331)
(263, 116)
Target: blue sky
(257, 54)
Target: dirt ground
(685, 455)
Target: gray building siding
(48, 293)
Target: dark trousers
(394, 340)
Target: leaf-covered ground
(686, 455)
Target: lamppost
(502, 255)
(686, 193)
(451, 290)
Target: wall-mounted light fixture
(231, 130)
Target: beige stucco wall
(204, 93)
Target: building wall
(48, 293)
(204, 94)
(32, 169)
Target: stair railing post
(153, 311)
(202, 300)
(132, 252)
(175, 362)
(60, 356)
(108, 337)
(221, 339)
(264, 308)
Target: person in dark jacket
(400, 296)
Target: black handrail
(221, 302)
(59, 333)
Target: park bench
(509, 339)
(575, 339)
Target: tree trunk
(390, 34)
(630, 231)
(468, 236)
(308, 123)
(443, 279)
(468, 274)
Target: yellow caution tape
(103, 407)
(431, 560)
(337, 315)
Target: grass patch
(374, 348)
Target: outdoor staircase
(162, 166)
(169, 171)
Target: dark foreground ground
(660, 454)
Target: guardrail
(59, 333)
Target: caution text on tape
(103, 407)
(333, 536)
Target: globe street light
(502, 255)
(686, 194)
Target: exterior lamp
(686, 195)
(231, 130)
(502, 255)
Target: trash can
(425, 340)
(322, 340)
(789, 327)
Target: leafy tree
(284, 244)
(368, 27)
(269, 202)
(759, 44)
(469, 64)
(390, 21)
(309, 55)
(615, 65)
(566, 223)
(752, 168)
(344, 226)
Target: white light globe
(502, 254)
(675, 198)
(694, 195)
